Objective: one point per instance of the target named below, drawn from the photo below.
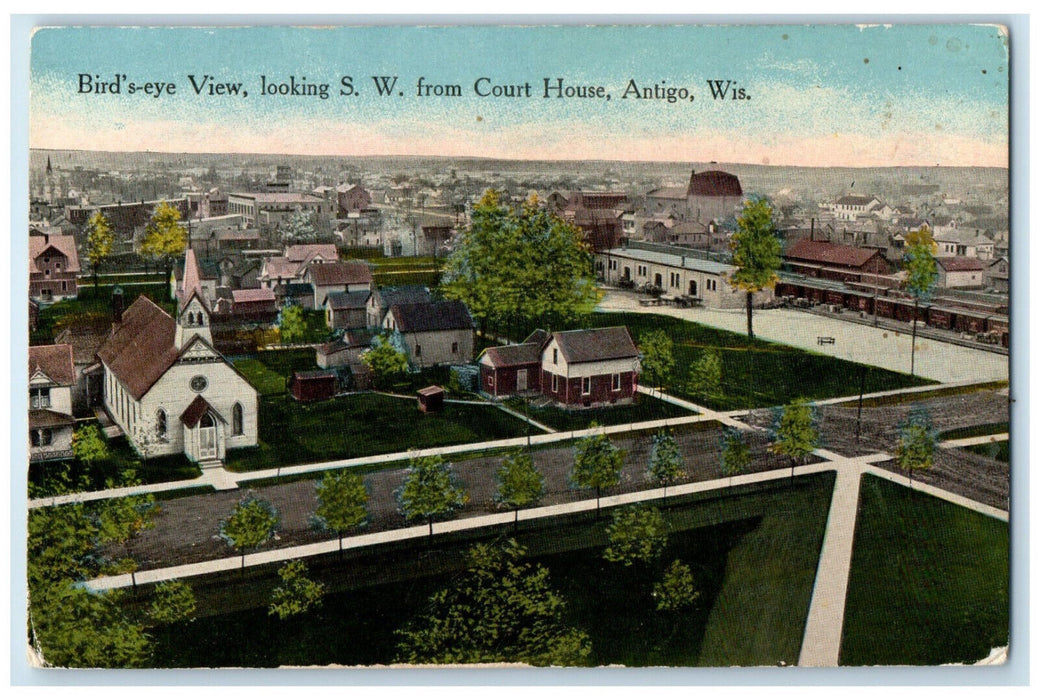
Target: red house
(577, 369)
(316, 385)
(53, 267)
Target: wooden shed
(316, 385)
(431, 399)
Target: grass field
(1000, 451)
(929, 581)
(645, 408)
(762, 374)
(975, 431)
(268, 371)
(360, 425)
(753, 552)
(93, 305)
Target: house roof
(430, 391)
(668, 193)
(45, 418)
(66, 245)
(305, 252)
(196, 410)
(714, 183)
(341, 301)
(855, 200)
(514, 355)
(314, 375)
(281, 268)
(685, 262)
(596, 344)
(279, 197)
(404, 294)
(53, 360)
(85, 339)
(249, 296)
(140, 348)
(960, 264)
(826, 253)
(335, 273)
(432, 316)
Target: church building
(169, 390)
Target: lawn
(268, 371)
(753, 552)
(645, 408)
(89, 305)
(975, 431)
(1000, 451)
(360, 425)
(762, 374)
(928, 583)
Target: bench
(824, 340)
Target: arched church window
(236, 419)
(160, 424)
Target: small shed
(431, 399)
(316, 385)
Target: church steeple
(193, 320)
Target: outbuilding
(316, 385)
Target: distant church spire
(49, 169)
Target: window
(40, 398)
(41, 437)
(160, 424)
(454, 348)
(556, 360)
(236, 419)
(555, 383)
(586, 385)
(615, 382)
(418, 350)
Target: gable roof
(714, 183)
(280, 268)
(324, 274)
(140, 348)
(302, 253)
(339, 301)
(196, 410)
(53, 360)
(830, 253)
(596, 344)
(960, 264)
(249, 296)
(66, 245)
(403, 294)
(85, 339)
(668, 193)
(856, 200)
(433, 316)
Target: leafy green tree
(666, 461)
(922, 273)
(341, 503)
(520, 484)
(677, 589)
(299, 227)
(597, 464)
(292, 324)
(121, 519)
(252, 523)
(297, 594)
(174, 601)
(100, 239)
(503, 609)
(517, 269)
(756, 253)
(917, 442)
(656, 357)
(706, 376)
(637, 534)
(386, 362)
(88, 445)
(164, 238)
(736, 456)
(796, 433)
(429, 491)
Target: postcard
(561, 346)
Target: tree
(735, 453)
(297, 594)
(164, 238)
(121, 519)
(503, 609)
(756, 253)
(796, 433)
(519, 483)
(706, 376)
(341, 503)
(174, 601)
(429, 491)
(656, 357)
(292, 324)
(597, 464)
(100, 238)
(637, 534)
(917, 443)
(666, 462)
(88, 445)
(517, 269)
(676, 590)
(299, 227)
(922, 273)
(386, 362)
(251, 524)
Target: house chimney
(46, 238)
(117, 305)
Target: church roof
(196, 410)
(141, 347)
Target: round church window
(199, 383)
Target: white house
(51, 378)
(960, 272)
(433, 333)
(169, 390)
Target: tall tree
(251, 524)
(796, 433)
(666, 462)
(341, 503)
(386, 362)
(429, 491)
(917, 441)
(922, 273)
(100, 239)
(637, 535)
(502, 610)
(756, 252)
(517, 268)
(735, 453)
(297, 594)
(657, 357)
(597, 464)
(174, 601)
(520, 484)
(706, 376)
(164, 238)
(88, 445)
(292, 325)
(299, 227)
(677, 589)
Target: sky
(824, 95)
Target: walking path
(977, 440)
